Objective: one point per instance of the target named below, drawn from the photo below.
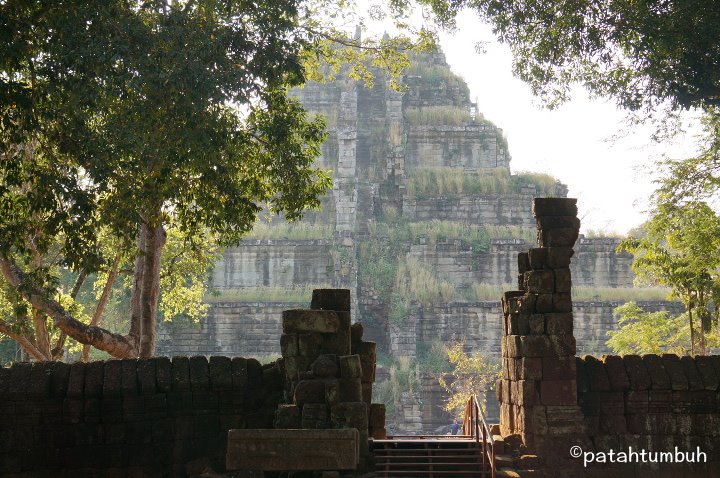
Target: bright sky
(611, 180)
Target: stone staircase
(429, 457)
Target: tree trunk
(692, 332)
(104, 298)
(59, 350)
(155, 242)
(136, 299)
(42, 336)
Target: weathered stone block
(690, 370)
(356, 332)
(199, 373)
(554, 207)
(350, 390)
(325, 366)
(309, 345)
(523, 262)
(350, 366)
(368, 370)
(220, 373)
(331, 299)
(599, 381)
(180, 374)
(289, 345)
(558, 368)
(537, 258)
(332, 391)
(636, 401)
(518, 302)
(638, 374)
(523, 392)
(349, 414)
(559, 324)
(20, 378)
(559, 257)
(674, 369)
(529, 368)
(617, 375)
(282, 450)
(658, 376)
(544, 303)
(547, 345)
(710, 379)
(659, 401)
(562, 302)
(539, 281)
(304, 320)
(563, 280)
(287, 416)
(239, 373)
(314, 415)
(377, 415)
(536, 324)
(163, 372)
(558, 392)
(366, 392)
(517, 324)
(379, 433)
(564, 237)
(512, 344)
(129, 377)
(365, 348)
(309, 391)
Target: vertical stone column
(329, 370)
(538, 391)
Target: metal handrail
(475, 426)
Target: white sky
(610, 179)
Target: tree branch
(24, 342)
(115, 344)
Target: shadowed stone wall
(152, 418)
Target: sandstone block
(559, 257)
(563, 280)
(565, 237)
(636, 401)
(379, 433)
(356, 332)
(583, 380)
(289, 345)
(521, 282)
(538, 258)
(377, 415)
(562, 302)
(287, 416)
(544, 303)
(710, 379)
(365, 348)
(350, 366)
(332, 391)
(659, 401)
(557, 222)
(295, 366)
(536, 324)
(314, 416)
(366, 392)
(617, 375)
(599, 381)
(368, 370)
(512, 345)
(529, 368)
(304, 320)
(350, 390)
(558, 368)
(559, 323)
(523, 392)
(517, 324)
(674, 369)
(547, 346)
(554, 207)
(337, 344)
(539, 281)
(638, 374)
(325, 366)
(309, 391)
(283, 450)
(349, 414)
(331, 299)
(691, 372)
(309, 344)
(558, 392)
(658, 376)
(523, 262)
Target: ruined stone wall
(493, 210)
(468, 146)
(275, 263)
(653, 403)
(153, 417)
(231, 328)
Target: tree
(472, 374)
(131, 117)
(642, 332)
(681, 250)
(642, 54)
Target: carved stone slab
(288, 449)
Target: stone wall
(510, 209)
(467, 146)
(156, 417)
(231, 328)
(654, 403)
(275, 263)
